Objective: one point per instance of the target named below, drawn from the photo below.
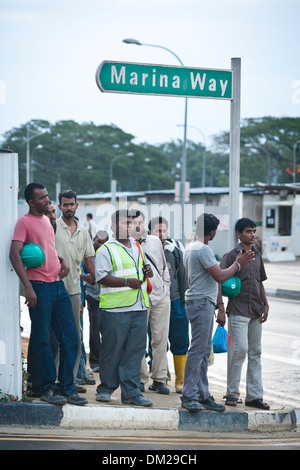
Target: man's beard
(69, 214)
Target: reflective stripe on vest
(124, 266)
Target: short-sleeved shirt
(103, 267)
(198, 257)
(74, 248)
(37, 229)
(249, 302)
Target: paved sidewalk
(166, 412)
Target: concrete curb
(115, 417)
(283, 293)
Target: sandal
(230, 401)
(258, 404)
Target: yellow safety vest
(123, 265)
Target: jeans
(179, 329)
(201, 316)
(245, 338)
(53, 308)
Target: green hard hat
(232, 287)
(33, 255)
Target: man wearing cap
(246, 314)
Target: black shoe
(138, 401)
(80, 388)
(210, 404)
(53, 397)
(192, 405)
(75, 399)
(159, 387)
(89, 381)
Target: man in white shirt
(159, 305)
(90, 225)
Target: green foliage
(80, 155)
(266, 149)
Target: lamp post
(112, 181)
(28, 139)
(203, 156)
(183, 160)
(38, 147)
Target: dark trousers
(179, 329)
(95, 342)
(53, 309)
(123, 347)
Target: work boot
(159, 387)
(179, 365)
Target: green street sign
(164, 80)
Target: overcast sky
(50, 50)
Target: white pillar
(10, 335)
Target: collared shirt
(103, 267)
(74, 248)
(174, 257)
(249, 302)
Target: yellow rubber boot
(179, 364)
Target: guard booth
(10, 334)
(281, 226)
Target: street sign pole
(234, 162)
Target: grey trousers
(245, 339)
(123, 346)
(76, 305)
(159, 320)
(201, 317)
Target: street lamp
(183, 161)
(113, 183)
(203, 156)
(28, 139)
(38, 147)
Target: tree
(79, 156)
(266, 148)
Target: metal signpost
(164, 80)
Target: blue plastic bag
(220, 340)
